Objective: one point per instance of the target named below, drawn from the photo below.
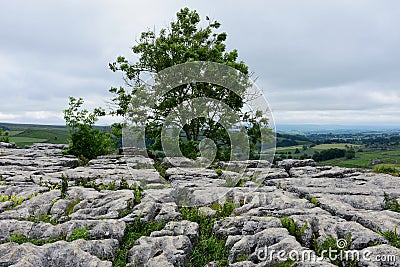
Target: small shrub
(4, 137)
(86, 142)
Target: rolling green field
(27, 134)
(364, 159)
(339, 146)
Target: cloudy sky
(318, 62)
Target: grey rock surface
(87, 221)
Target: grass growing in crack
(79, 233)
(133, 232)
(392, 237)
(20, 239)
(43, 217)
(158, 166)
(293, 228)
(130, 203)
(70, 208)
(391, 203)
(286, 263)
(209, 248)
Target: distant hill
(27, 134)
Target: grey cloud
(315, 60)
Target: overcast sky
(319, 62)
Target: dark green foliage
(89, 183)
(86, 141)
(133, 232)
(4, 136)
(391, 203)
(64, 186)
(185, 40)
(350, 153)
(328, 154)
(90, 143)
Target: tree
(86, 142)
(350, 153)
(186, 41)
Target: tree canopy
(185, 40)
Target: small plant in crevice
(43, 217)
(18, 238)
(159, 167)
(391, 203)
(133, 232)
(314, 201)
(287, 263)
(79, 233)
(138, 194)
(209, 248)
(64, 186)
(392, 236)
(331, 247)
(130, 203)
(234, 182)
(70, 207)
(242, 257)
(293, 228)
(218, 172)
(14, 198)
